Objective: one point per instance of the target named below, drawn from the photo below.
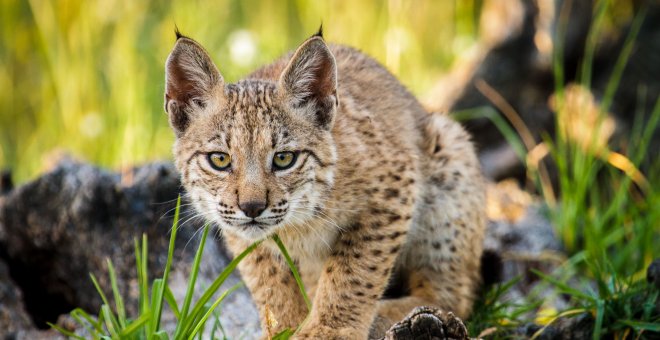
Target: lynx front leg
(272, 286)
(355, 276)
(450, 291)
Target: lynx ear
(190, 76)
(309, 81)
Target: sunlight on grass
(87, 76)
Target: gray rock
(566, 328)
(515, 247)
(65, 224)
(13, 316)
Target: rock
(65, 224)
(568, 328)
(519, 238)
(13, 316)
(58, 230)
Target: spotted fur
(382, 194)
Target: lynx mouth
(254, 223)
(254, 230)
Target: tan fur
(381, 189)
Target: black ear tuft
(178, 33)
(320, 32)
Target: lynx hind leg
(446, 240)
(444, 245)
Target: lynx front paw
(428, 323)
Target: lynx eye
(219, 160)
(284, 160)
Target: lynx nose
(253, 209)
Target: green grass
(620, 306)
(496, 317)
(191, 319)
(601, 206)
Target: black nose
(253, 208)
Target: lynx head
(257, 155)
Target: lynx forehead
(367, 190)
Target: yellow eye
(219, 160)
(284, 160)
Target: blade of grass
(158, 302)
(592, 40)
(283, 335)
(600, 315)
(64, 331)
(199, 305)
(138, 272)
(563, 314)
(110, 322)
(218, 325)
(156, 286)
(489, 113)
(109, 314)
(144, 290)
(144, 287)
(193, 278)
(563, 286)
(292, 266)
(202, 321)
(161, 335)
(119, 301)
(98, 289)
(639, 326)
(171, 301)
(85, 325)
(97, 324)
(622, 60)
(134, 326)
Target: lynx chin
(380, 203)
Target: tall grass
(87, 76)
(607, 216)
(605, 212)
(606, 206)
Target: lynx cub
(366, 189)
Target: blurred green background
(86, 77)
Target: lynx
(380, 203)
